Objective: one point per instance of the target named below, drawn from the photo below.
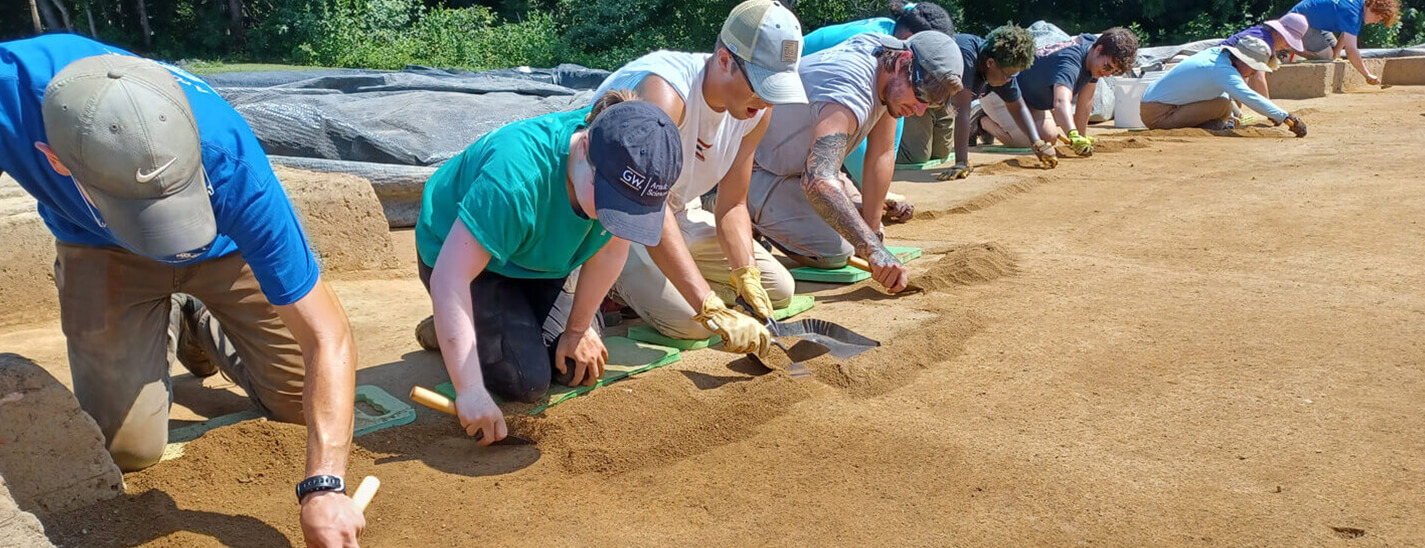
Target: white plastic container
(1127, 94)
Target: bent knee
(684, 329)
(132, 458)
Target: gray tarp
(393, 127)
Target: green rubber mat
(927, 165)
(1008, 150)
(385, 411)
(849, 274)
(627, 357)
(647, 334)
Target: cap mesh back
(742, 24)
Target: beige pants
(1211, 112)
(996, 109)
(645, 289)
(115, 311)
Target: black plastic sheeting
(417, 116)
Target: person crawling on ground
(525, 212)
(721, 103)
(1059, 87)
(990, 65)
(799, 199)
(1336, 24)
(1199, 91)
(174, 235)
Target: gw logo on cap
(639, 182)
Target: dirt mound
(607, 433)
(967, 264)
(990, 198)
(900, 360)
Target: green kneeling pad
(1008, 150)
(646, 333)
(849, 274)
(626, 357)
(926, 165)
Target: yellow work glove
(956, 172)
(740, 333)
(1082, 145)
(1044, 150)
(747, 281)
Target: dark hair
(1011, 46)
(609, 98)
(1120, 45)
(924, 16)
(1387, 10)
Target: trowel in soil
(861, 264)
(798, 353)
(437, 401)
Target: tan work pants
(115, 311)
(1165, 116)
(643, 287)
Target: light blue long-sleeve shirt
(1207, 75)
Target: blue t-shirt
(1062, 64)
(970, 46)
(253, 214)
(1333, 15)
(1205, 76)
(1260, 31)
(829, 36)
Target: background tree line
(483, 34)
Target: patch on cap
(639, 182)
(791, 50)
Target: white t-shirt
(710, 139)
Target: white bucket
(1127, 94)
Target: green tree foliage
(482, 34)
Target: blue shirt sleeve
(1009, 92)
(1231, 81)
(252, 209)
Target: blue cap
(637, 156)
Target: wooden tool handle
(858, 263)
(432, 399)
(366, 491)
(1065, 139)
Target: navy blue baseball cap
(637, 156)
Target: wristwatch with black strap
(316, 484)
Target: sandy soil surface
(1195, 340)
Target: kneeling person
(504, 223)
(990, 65)
(154, 187)
(1198, 92)
(720, 103)
(1060, 73)
(799, 199)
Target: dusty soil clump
(967, 264)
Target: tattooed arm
(830, 138)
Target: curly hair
(1011, 46)
(1387, 10)
(924, 16)
(1120, 45)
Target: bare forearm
(673, 260)
(455, 327)
(596, 277)
(837, 210)
(734, 234)
(962, 132)
(875, 183)
(1354, 54)
(1024, 121)
(329, 393)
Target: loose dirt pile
(965, 265)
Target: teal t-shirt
(509, 190)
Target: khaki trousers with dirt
(928, 136)
(643, 287)
(1166, 116)
(118, 321)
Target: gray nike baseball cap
(123, 127)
